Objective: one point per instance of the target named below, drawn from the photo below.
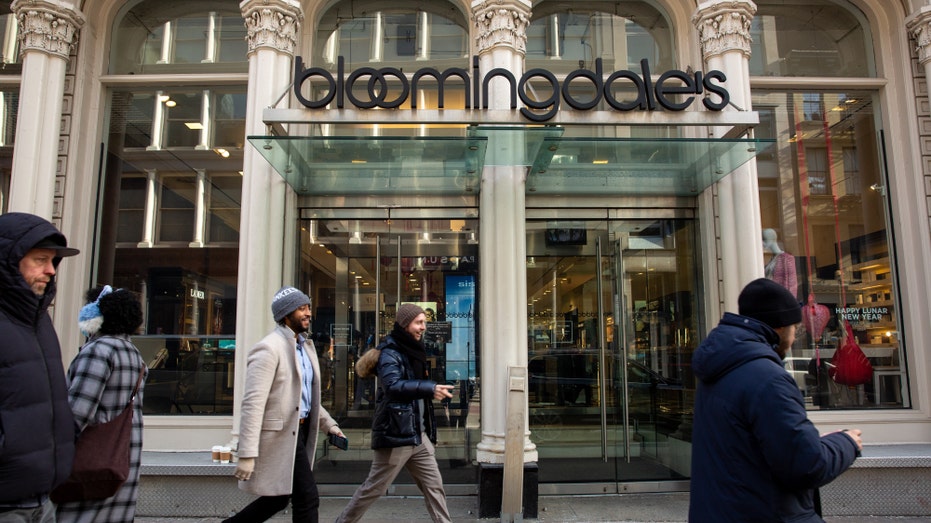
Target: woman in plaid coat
(102, 378)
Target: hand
(441, 392)
(244, 468)
(855, 434)
(336, 430)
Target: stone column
(500, 30)
(48, 33)
(272, 29)
(724, 30)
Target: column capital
(47, 26)
(501, 23)
(724, 25)
(274, 24)
(918, 25)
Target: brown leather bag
(101, 458)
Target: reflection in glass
(823, 201)
(395, 38)
(810, 38)
(621, 34)
(173, 36)
(613, 318)
(169, 230)
(357, 272)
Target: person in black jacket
(404, 426)
(755, 455)
(37, 429)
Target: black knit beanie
(769, 302)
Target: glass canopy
(341, 165)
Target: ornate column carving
(50, 27)
(724, 25)
(501, 23)
(918, 26)
(272, 23)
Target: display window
(827, 238)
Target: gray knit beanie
(406, 314)
(287, 300)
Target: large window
(382, 36)
(620, 33)
(810, 38)
(826, 237)
(171, 196)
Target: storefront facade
(575, 191)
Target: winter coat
(397, 409)
(102, 378)
(271, 409)
(37, 429)
(755, 455)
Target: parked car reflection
(569, 381)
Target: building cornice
(47, 26)
(272, 24)
(501, 23)
(724, 26)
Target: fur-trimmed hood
(367, 364)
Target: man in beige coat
(280, 417)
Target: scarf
(413, 349)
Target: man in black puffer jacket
(37, 429)
(755, 455)
(404, 427)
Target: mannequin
(781, 267)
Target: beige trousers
(420, 462)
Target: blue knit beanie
(89, 317)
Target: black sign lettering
(674, 90)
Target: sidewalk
(643, 508)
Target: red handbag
(101, 458)
(850, 366)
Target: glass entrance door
(357, 271)
(613, 317)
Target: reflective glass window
(392, 37)
(810, 38)
(171, 196)
(159, 36)
(357, 272)
(826, 237)
(12, 62)
(9, 106)
(621, 34)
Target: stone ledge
(911, 455)
(198, 463)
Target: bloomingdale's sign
(669, 84)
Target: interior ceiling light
(194, 126)
(222, 152)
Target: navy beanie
(287, 300)
(770, 303)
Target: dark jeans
(305, 500)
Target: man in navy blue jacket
(755, 455)
(37, 428)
